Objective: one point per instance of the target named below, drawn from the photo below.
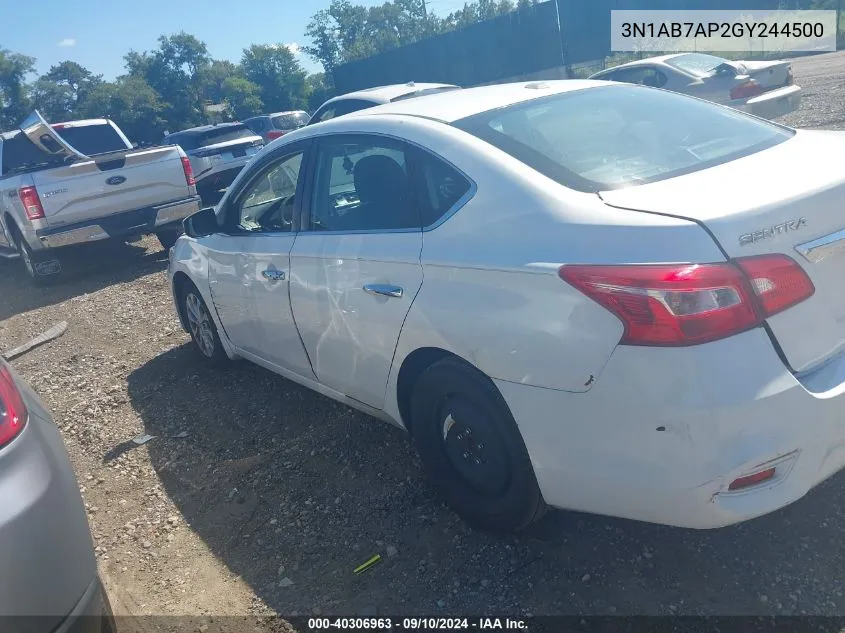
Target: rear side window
(91, 140)
(611, 137)
(696, 64)
(438, 186)
(290, 121)
(341, 107)
(258, 125)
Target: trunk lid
(788, 199)
(110, 183)
(769, 74)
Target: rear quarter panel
(491, 293)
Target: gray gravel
(286, 491)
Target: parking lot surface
(257, 496)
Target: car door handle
(274, 275)
(383, 290)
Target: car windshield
(194, 140)
(611, 137)
(290, 120)
(696, 64)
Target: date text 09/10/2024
(416, 624)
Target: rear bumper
(664, 432)
(134, 222)
(775, 103)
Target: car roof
(386, 94)
(459, 104)
(205, 128)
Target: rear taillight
(31, 203)
(274, 134)
(688, 304)
(12, 409)
(189, 171)
(747, 90)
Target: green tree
(243, 97)
(320, 89)
(175, 71)
(60, 93)
(214, 76)
(346, 31)
(131, 103)
(278, 74)
(14, 104)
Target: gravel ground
(259, 497)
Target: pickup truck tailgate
(111, 183)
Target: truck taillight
(12, 409)
(688, 304)
(31, 203)
(189, 171)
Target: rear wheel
(40, 268)
(202, 328)
(472, 448)
(167, 237)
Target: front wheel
(472, 448)
(202, 328)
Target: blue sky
(97, 33)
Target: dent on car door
(249, 267)
(356, 262)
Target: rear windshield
(194, 140)
(290, 121)
(611, 137)
(696, 64)
(91, 140)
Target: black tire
(485, 475)
(42, 269)
(205, 341)
(167, 237)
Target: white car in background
(595, 296)
(762, 88)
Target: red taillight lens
(189, 171)
(31, 203)
(12, 408)
(777, 280)
(688, 304)
(747, 90)
(274, 134)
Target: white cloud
(294, 48)
(66, 42)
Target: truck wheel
(40, 269)
(167, 238)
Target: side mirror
(201, 223)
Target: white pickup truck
(83, 181)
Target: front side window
(362, 184)
(617, 136)
(267, 203)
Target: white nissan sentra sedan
(582, 294)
